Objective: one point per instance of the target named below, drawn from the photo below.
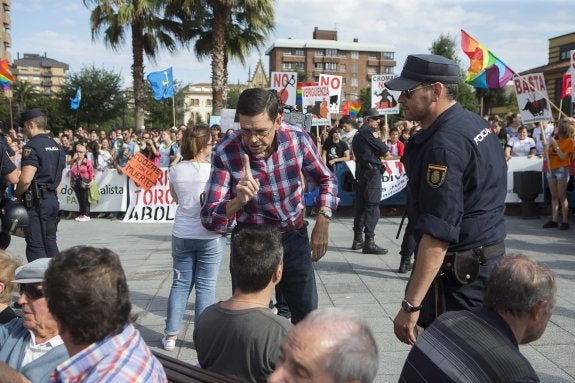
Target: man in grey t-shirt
(241, 337)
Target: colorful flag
(345, 109)
(6, 77)
(162, 84)
(354, 108)
(485, 70)
(566, 88)
(75, 103)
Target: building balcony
(326, 59)
(293, 59)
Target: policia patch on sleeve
(26, 152)
(436, 175)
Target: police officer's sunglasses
(409, 92)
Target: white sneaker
(83, 218)
(169, 344)
(78, 218)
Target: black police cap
(426, 68)
(30, 114)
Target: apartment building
(5, 26)
(45, 74)
(355, 61)
(197, 103)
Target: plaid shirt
(279, 201)
(119, 358)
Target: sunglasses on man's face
(409, 92)
(32, 290)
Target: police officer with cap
(368, 150)
(456, 195)
(43, 161)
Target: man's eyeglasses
(32, 290)
(260, 133)
(409, 92)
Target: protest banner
(532, 97)
(383, 99)
(334, 83)
(111, 185)
(393, 179)
(142, 171)
(151, 205)
(285, 83)
(315, 100)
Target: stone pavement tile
(352, 299)
(388, 343)
(556, 335)
(390, 365)
(561, 355)
(554, 376)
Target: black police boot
(357, 240)
(369, 247)
(405, 264)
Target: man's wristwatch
(408, 307)
(327, 214)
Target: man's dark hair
(345, 120)
(257, 252)
(87, 293)
(256, 101)
(452, 91)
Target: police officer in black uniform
(456, 195)
(8, 175)
(43, 161)
(368, 151)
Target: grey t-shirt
(240, 344)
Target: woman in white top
(196, 252)
(165, 147)
(520, 146)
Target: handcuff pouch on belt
(463, 265)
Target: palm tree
(150, 31)
(23, 93)
(224, 30)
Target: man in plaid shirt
(256, 180)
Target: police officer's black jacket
(367, 148)
(47, 157)
(457, 181)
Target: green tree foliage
(102, 97)
(445, 46)
(144, 22)
(224, 30)
(23, 93)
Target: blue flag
(162, 84)
(75, 104)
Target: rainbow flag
(354, 108)
(6, 77)
(485, 70)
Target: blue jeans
(196, 262)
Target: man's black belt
(299, 223)
(482, 252)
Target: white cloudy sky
(516, 31)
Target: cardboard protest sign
(142, 171)
(532, 98)
(334, 83)
(286, 85)
(383, 99)
(315, 100)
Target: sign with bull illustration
(315, 101)
(383, 99)
(532, 98)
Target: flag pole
(174, 109)
(11, 116)
(560, 109)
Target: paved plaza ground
(367, 284)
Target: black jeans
(82, 196)
(367, 199)
(41, 230)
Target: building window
(286, 66)
(354, 68)
(564, 51)
(299, 66)
(343, 67)
(331, 66)
(208, 102)
(287, 52)
(388, 55)
(299, 52)
(318, 66)
(331, 52)
(354, 55)
(372, 56)
(319, 52)
(371, 71)
(354, 82)
(388, 70)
